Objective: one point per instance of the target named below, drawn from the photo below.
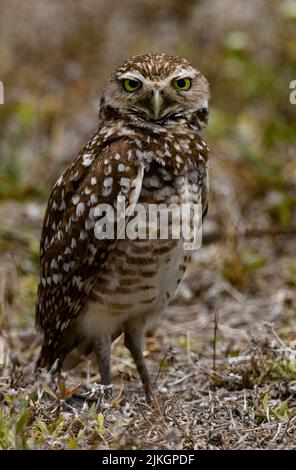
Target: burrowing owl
(148, 149)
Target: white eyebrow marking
(184, 73)
(132, 74)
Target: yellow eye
(131, 85)
(182, 84)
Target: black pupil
(133, 83)
(182, 83)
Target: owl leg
(133, 340)
(102, 348)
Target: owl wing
(72, 252)
(205, 196)
(204, 155)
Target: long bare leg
(102, 348)
(134, 339)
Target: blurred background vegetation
(55, 58)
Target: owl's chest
(165, 185)
(146, 267)
(141, 278)
(148, 264)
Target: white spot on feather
(93, 198)
(92, 213)
(80, 209)
(121, 167)
(125, 182)
(87, 159)
(75, 199)
(92, 249)
(56, 278)
(54, 264)
(83, 235)
(77, 281)
(59, 180)
(108, 182)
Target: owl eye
(131, 85)
(182, 84)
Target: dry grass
(248, 402)
(244, 397)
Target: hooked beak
(157, 103)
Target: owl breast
(142, 275)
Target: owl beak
(157, 103)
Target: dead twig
(215, 340)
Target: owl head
(157, 89)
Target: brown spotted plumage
(148, 149)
